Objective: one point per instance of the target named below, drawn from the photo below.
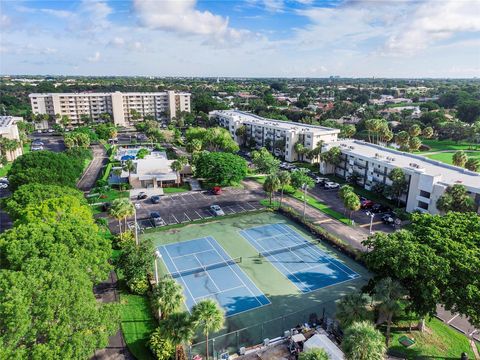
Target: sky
(250, 38)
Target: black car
(106, 206)
(157, 219)
(142, 195)
(379, 208)
(388, 219)
(155, 199)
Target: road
(91, 174)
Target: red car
(365, 203)
(216, 190)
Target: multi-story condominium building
(123, 107)
(9, 130)
(427, 179)
(278, 136)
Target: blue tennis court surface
(205, 270)
(303, 263)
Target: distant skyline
(252, 38)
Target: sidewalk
(351, 235)
(116, 349)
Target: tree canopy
(220, 168)
(212, 139)
(44, 167)
(436, 261)
(264, 161)
(455, 198)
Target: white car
(320, 180)
(331, 185)
(216, 210)
(3, 185)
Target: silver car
(216, 210)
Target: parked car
(216, 190)
(51, 131)
(379, 208)
(157, 219)
(3, 185)
(142, 195)
(331, 185)
(388, 219)
(155, 199)
(320, 180)
(365, 203)
(4, 180)
(106, 206)
(36, 147)
(217, 210)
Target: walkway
(90, 176)
(351, 235)
(116, 349)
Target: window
(286, 152)
(422, 205)
(425, 194)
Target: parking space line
(241, 207)
(253, 207)
(198, 214)
(187, 216)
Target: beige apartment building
(9, 130)
(279, 136)
(160, 105)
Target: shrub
(161, 347)
(138, 285)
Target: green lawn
(439, 145)
(109, 196)
(446, 157)
(439, 340)
(314, 203)
(173, 190)
(4, 169)
(137, 323)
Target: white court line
(233, 270)
(279, 262)
(197, 252)
(324, 254)
(181, 277)
(206, 272)
(219, 292)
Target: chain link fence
(321, 314)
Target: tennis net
(284, 249)
(207, 267)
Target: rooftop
(6, 121)
(252, 118)
(105, 93)
(448, 174)
(155, 165)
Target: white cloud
(5, 21)
(63, 14)
(117, 41)
(433, 21)
(182, 17)
(95, 57)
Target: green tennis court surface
(288, 307)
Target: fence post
(238, 342)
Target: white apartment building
(278, 136)
(427, 179)
(9, 130)
(119, 105)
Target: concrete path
(351, 235)
(91, 174)
(116, 349)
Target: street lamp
(372, 215)
(305, 188)
(136, 225)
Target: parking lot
(191, 206)
(50, 142)
(330, 197)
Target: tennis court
(301, 261)
(205, 270)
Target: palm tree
(362, 341)
(168, 297)
(459, 158)
(472, 164)
(179, 328)
(209, 316)
(115, 212)
(352, 308)
(389, 293)
(129, 166)
(177, 167)
(271, 184)
(314, 354)
(284, 180)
